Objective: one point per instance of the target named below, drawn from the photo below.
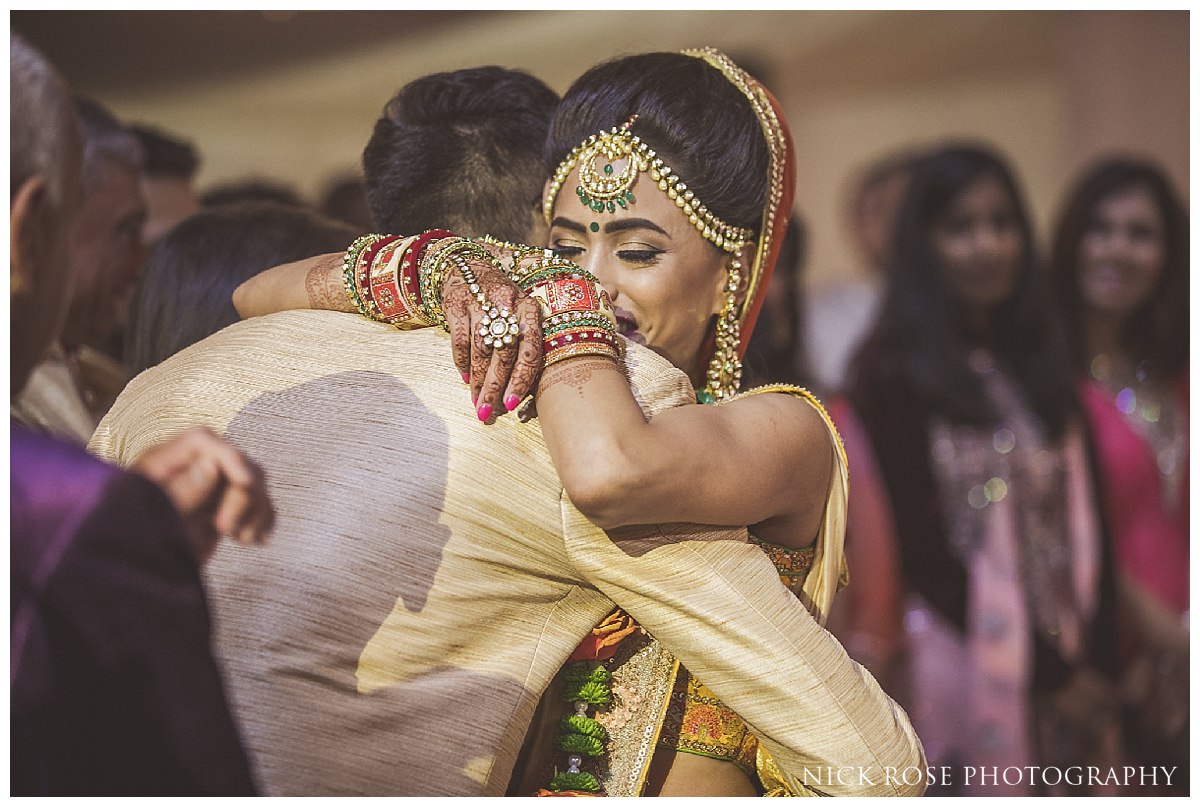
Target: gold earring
(725, 367)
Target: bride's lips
(627, 326)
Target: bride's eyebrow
(620, 225)
(568, 224)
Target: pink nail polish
(466, 378)
(484, 412)
(510, 403)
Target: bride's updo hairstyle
(688, 112)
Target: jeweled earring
(725, 367)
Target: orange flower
(602, 642)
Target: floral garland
(588, 684)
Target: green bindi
(595, 227)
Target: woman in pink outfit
(989, 596)
(1121, 277)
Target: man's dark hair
(184, 292)
(460, 150)
(251, 189)
(106, 141)
(166, 155)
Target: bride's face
(666, 281)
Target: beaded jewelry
(349, 262)
(498, 326)
(602, 187)
(725, 368)
(432, 273)
(380, 277)
(577, 315)
(546, 267)
(600, 190)
(724, 377)
(515, 254)
(572, 296)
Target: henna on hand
(528, 364)
(456, 305)
(463, 312)
(324, 285)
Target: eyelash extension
(639, 255)
(566, 251)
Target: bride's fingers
(528, 364)
(481, 360)
(456, 305)
(501, 369)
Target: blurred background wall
(293, 95)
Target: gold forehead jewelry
(724, 376)
(764, 111)
(602, 187)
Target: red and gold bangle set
(382, 279)
(399, 280)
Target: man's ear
(29, 221)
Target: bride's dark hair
(688, 112)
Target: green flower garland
(586, 684)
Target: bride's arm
(762, 460)
(765, 460)
(504, 376)
(309, 283)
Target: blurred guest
(345, 199)
(1121, 268)
(841, 313)
(964, 408)
(776, 353)
(167, 181)
(81, 375)
(112, 686)
(255, 189)
(185, 290)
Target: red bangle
(362, 270)
(570, 294)
(412, 258)
(387, 291)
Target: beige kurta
(428, 577)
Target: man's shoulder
(325, 336)
(657, 384)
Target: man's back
(418, 575)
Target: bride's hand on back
(496, 335)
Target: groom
(428, 576)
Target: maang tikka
(602, 188)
